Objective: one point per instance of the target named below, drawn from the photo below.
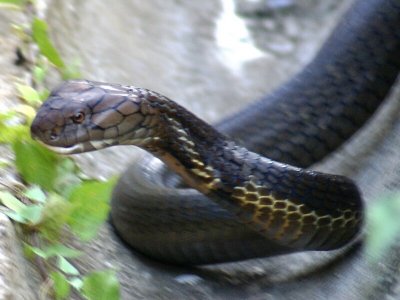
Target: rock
(257, 8)
(170, 46)
(13, 267)
(17, 279)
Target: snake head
(81, 116)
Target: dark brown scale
(107, 102)
(278, 219)
(280, 205)
(249, 208)
(290, 232)
(307, 233)
(294, 216)
(323, 221)
(352, 72)
(251, 197)
(265, 217)
(323, 239)
(308, 219)
(127, 107)
(238, 193)
(265, 201)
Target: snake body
(249, 205)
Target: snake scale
(251, 194)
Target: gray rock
(173, 47)
(258, 8)
(13, 268)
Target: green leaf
(27, 214)
(13, 3)
(30, 251)
(72, 71)
(44, 94)
(35, 193)
(55, 214)
(27, 249)
(76, 282)
(61, 285)
(90, 207)
(67, 178)
(101, 285)
(66, 267)
(41, 37)
(14, 216)
(5, 116)
(383, 226)
(10, 134)
(17, 208)
(32, 214)
(29, 94)
(6, 125)
(53, 250)
(39, 74)
(61, 250)
(36, 164)
(10, 201)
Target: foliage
(109, 286)
(36, 164)
(41, 37)
(57, 203)
(13, 3)
(86, 216)
(383, 226)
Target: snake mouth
(66, 150)
(81, 147)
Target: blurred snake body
(250, 193)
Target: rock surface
(14, 283)
(15, 273)
(178, 48)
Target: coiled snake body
(250, 205)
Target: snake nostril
(53, 136)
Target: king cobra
(247, 189)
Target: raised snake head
(82, 116)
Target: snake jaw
(82, 147)
(65, 150)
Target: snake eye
(78, 118)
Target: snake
(245, 187)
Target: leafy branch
(57, 203)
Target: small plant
(383, 226)
(57, 203)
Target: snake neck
(217, 166)
(187, 144)
(276, 200)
